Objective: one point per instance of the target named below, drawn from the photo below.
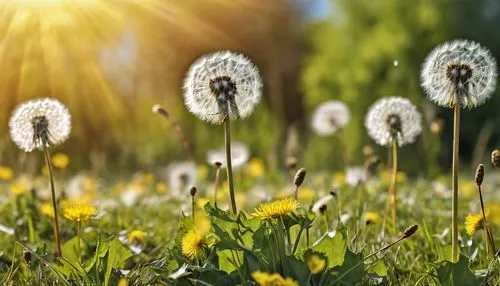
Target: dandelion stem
(192, 207)
(54, 203)
(78, 231)
(489, 235)
(393, 189)
(297, 239)
(216, 183)
(454, 176)
(229, 167)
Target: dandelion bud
(409, 231)
(479, 174)
(218, 164)
(495, 158)
(322, 209)
(291, 163)
(193, 191)
(158, 109)
(299, 177)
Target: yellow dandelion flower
(6, 173)
(338, 179)
(494, 211)
(20, 186)
(306, 194)
(467, 189)
(147, 178)
(60, 160)
(122, 282)
(161, 188)
(255, 168)
(473, 223)
(47, 209)
(276, 209)
(136, 237)
(202, 172)
(79, 212)
(371, 217)
(193, 243)
(267, 279)
(201, 202)
(316, 263)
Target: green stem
(54, 203)
(229, 166)
(454, 207)
(216, 184)
(192, 207)
(78, 228)
(489, 236)
(287, 234)
(297, 239)
(393, 189)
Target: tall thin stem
(489, 235)
(78, 232)
(216, 183)
(393, 188)
(54, 203)
(229, 166)
(192, 208)
(454, 177)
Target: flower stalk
(229, 166)
(454, 178)
(54, 203)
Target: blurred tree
(367, 50)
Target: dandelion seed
(222, 84)
(276, 209)
(393, 118)
(461, 70)
(329, 117)
(39, 123)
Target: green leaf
(296, 269)
(334, 246)
(351, 271)
(117, 254)
(228, 259)
(70, 249)
(458, 274)
(379, 269)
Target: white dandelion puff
(355, 176)
(239, 155)
(181, 177)
(222, 84)
(393, 118)
(459, 69)
(329, 117)
(323, 201)
(40, 123)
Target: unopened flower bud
(479, 174)
(299, 177)
(409, 231)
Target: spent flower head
(40, 123)
(276, 209)
(240, 154)
(181, 177)
(459, 69)
(220, 85)
(329, 117)
(393, 118)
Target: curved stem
(489, 236)
(229, 166)
(454, 178)
(54, 203)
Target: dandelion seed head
(459, 69)
(39, 123)
(355, 176)
(240, 154)
(329, 117)
(393, 118)
(222, 84)
(181, 177)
